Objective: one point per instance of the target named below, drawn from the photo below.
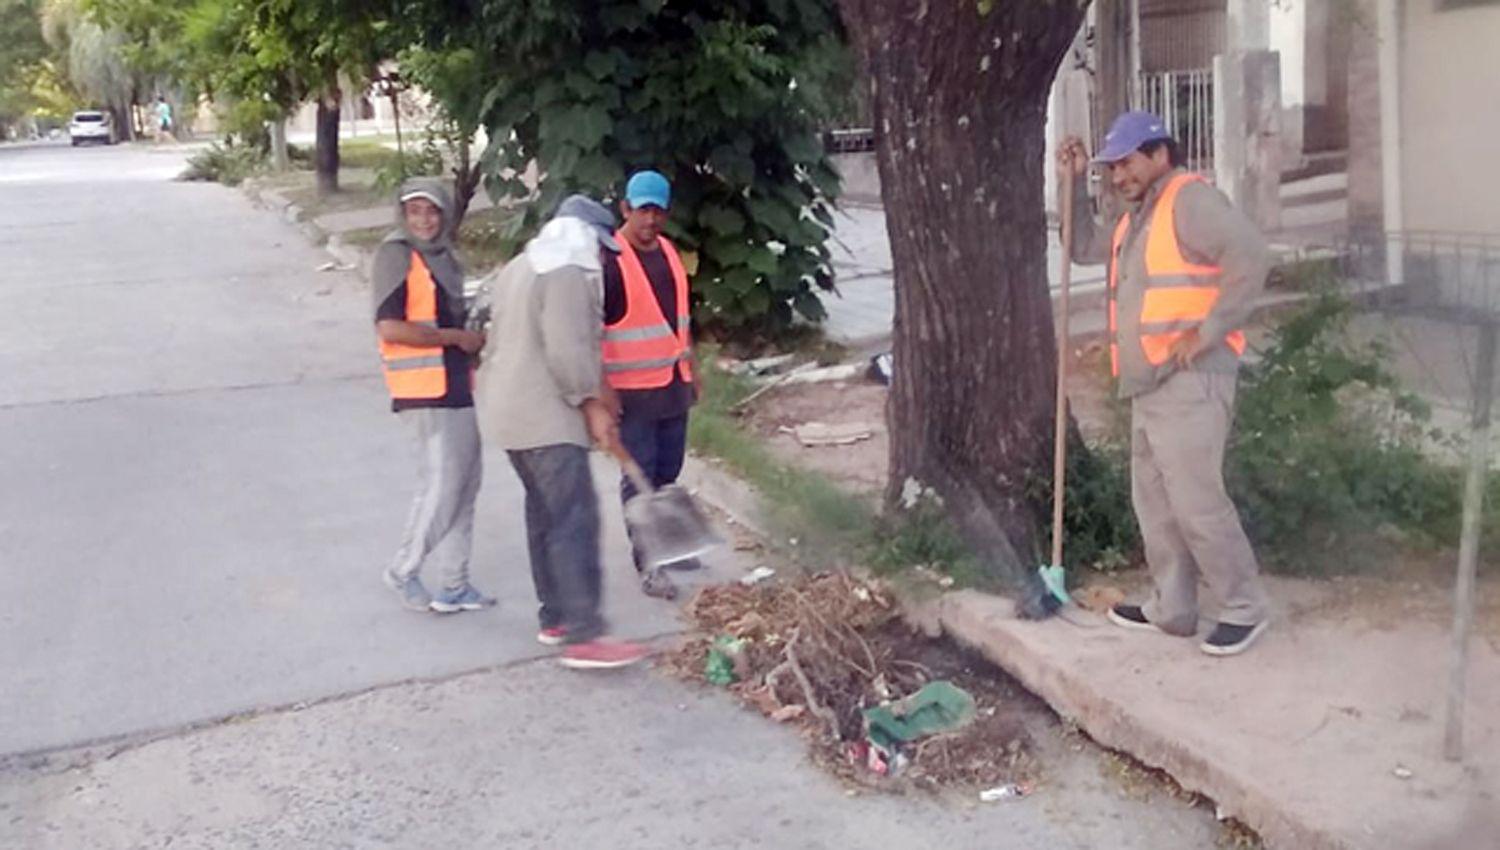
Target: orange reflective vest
(641, 350)
(416, 371)
(1179, 295)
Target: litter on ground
(813, 434)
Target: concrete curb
(341, 251)
(726, 493)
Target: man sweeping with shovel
(542, 398)
(1185, 268)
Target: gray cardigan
(541, 358)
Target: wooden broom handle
(1060, 432)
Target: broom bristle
(1036, 602)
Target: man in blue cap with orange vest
(648, 347)
(1185, 268)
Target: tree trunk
(124, 123)
(959, 100)
(465, 183)
(281, 159)
(396, 117)
(326, 156)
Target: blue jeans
(659, 447)
(562, 537)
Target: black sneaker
(1131, 617)
(1229, 639)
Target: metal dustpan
(665, 523)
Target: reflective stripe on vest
(1179, 295)
(416, 371)
(641, 349)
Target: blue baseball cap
(648, 188)
(1128, 133)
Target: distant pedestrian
(543, 399)
(648, 348)
(1185, 268)
(419, 317)
(163, 118)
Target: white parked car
(92, 126)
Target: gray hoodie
(392, 263)
(393, 257)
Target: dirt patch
(862, 466)
(859, 466)
(1416, 589)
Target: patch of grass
(356, 192)
(367, 153)
(826, 522)
(831, 526)
(367, 237)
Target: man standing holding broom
(1185, 268)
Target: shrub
(1331, 454)
(226, 163)
(426, 161)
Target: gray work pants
(440, 527)
(562, 537)
(1190, 527)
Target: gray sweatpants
(440, 527)
(1188, 524)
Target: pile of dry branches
(818, 650)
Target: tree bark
(281, 159)
(326, 156)
(959, 99)
(465, 182)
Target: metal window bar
(1185, 101)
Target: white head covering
(564, 242)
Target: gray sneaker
(466, 598)
(413, 595)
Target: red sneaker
(552, 636)
(602, 655)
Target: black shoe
(1131, 617)
(685, 565)
(1229, 639)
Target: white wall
(1289, 38)
(1450, 117)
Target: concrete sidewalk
(1327, 735)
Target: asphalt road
(202, 479)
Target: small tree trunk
(465, 183)
(396, 117)
(281, 159)
(326, 157)
(959, 100)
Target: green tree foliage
(91, 57)
(723, 98)
(457, 78)
(22, 52)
